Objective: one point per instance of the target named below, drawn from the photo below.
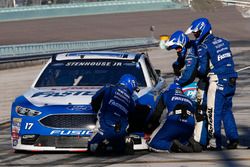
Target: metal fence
(30, 51)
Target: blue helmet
(200, 27)
(178, 40)
(130, 82)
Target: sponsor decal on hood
(60, 96)
(66, 95)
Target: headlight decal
(22, 111)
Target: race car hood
(60, 96)
(66, 95)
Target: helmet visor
(197, 34)
(191, 29)
(173, 45)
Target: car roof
(98, 55)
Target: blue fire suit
(177, 121)
(190, 64)
(216, 62)
(113, 104)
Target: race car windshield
(89, 73)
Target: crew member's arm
(153, 121)
(97, 99)
(190, 71)
(203, 61)
(178, 65)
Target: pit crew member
(216, 63)
(175, 117)
(113, 104)
(187, 59)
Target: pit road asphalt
(239, 157)
(227, 22)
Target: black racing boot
(212, 145)
(233, 144)
(197, 147)
(180, 148)
(97, 149)
(209, 148)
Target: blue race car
(55, 113)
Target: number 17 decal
(28, 126)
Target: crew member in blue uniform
(174, 116)
(113, 104)
(216, 63)
(187, 58)
(185, 69)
